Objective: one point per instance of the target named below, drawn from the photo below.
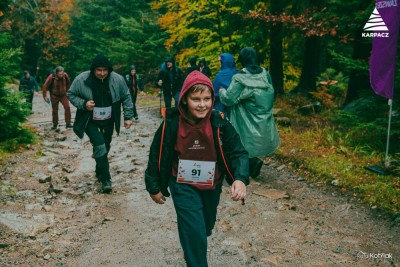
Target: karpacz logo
(375, 34)
(375, 26)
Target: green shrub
(12, 111)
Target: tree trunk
(276, 51)
(311, 66)
(359, 79)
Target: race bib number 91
(196, 172)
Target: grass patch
(321, 152)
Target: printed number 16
(195, 172)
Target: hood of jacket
(227, 61)
(195, 77)
(248, 59)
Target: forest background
(313, 49)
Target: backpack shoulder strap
(162, 139)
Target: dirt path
(52, 213)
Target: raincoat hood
(224, 75)
(227, 61)
(248, 59)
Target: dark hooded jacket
(193, 66)
(129, 79)
(228, 147)
(28, 85)
(81, 91)
(224, 76)
(172, 78)
(204, 69)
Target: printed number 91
(195, 172)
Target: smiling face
(199, 102)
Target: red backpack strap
(164, 114)
(223, 155)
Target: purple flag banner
(384, 45)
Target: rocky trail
(53, 214)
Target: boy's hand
(238, 190)
(158, 198)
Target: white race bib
(101, 114)
(196, 172)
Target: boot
(103, 173)
(106, 186)
(255, 165)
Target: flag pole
(387, 162)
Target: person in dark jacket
(204, 68)
(28, 85)
(170, 79)
(223, 79)
(191, 153)
(192, 65)
(98, 95)
(134, 83)
(57, 84)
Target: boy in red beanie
(192, 151)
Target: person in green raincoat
(251, 98)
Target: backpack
(50, 87)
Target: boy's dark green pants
(196, 211)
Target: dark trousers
(29, 99)
(100, 138)
(54, 105)
(134, 98)
(168, 99)
(196, 212)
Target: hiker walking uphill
(192, 66)
(170, 79)
(98, 95)
(28, 85)
(134, 83)
(195, 135)
(203, 68)
(251, 98)
(57, 84)
(223, 79)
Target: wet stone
(45, 179)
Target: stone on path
(27, 225)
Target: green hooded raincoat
(251, 97)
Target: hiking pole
(161, 93)
(387, 162)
